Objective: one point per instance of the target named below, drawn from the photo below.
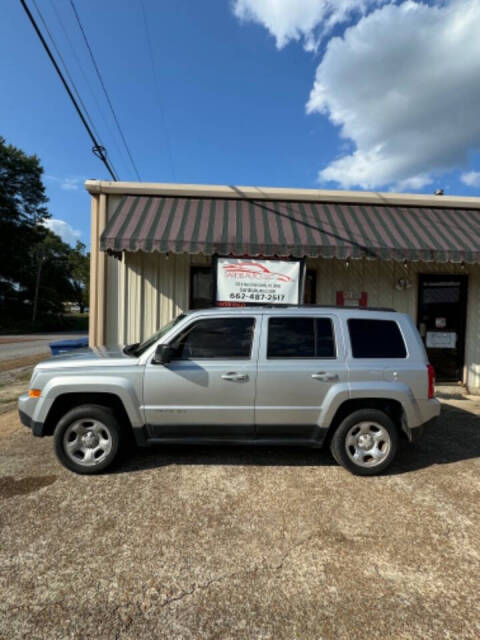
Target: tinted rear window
(300, 338)
(376, 339)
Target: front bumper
(24, 412)
(25, 419)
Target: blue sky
(299, 95)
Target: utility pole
(37, 286)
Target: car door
(301, 357)
(208, 388)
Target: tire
(365, 442)
(87, 439)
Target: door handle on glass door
(235, 377)
(324, 376)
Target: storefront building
(157, 249)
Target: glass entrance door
(442, 303)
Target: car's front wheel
(365, 442)
(87, 439)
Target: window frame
(312, 274)
(190, 327)
(206, 269)
(306, 317)
(391, 320)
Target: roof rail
(307, 306)
(336, 306)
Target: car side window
(300, 337)
(376, 339)
(212, 338)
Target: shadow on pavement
(455, 437)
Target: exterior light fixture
(403, 283)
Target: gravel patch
(276, 543)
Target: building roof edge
(95, 187)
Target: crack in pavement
(234, 574)
(133, 609)
(206, 585)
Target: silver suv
(354, 379)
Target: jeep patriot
(356, 380)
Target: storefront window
(201, 287)
(310, 296)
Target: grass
(24, 376)
(66, 322)
(25, 361)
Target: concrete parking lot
(32, 344)
(243, 543)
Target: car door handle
(235, 377)
(324, 376)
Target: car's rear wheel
(365, 442)
(87, 439)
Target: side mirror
(163, 354)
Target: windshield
(139, 348)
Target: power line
(98, 150)
(99, 75)
(72, 83)
(157, 93)
(107, 124)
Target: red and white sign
(248, 281)
(352, 298)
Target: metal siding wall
(112, 294)
(472, 342)
(379, 279)
(199, 260)
(114, 289)
(166, 287)
(131, 310)
(149, 302)
(123, 300)
(146, 290)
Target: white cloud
(403, 85)
(64, 230)
(471, 179)
(72, 183)
(309, 20)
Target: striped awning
(286, 228)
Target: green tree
(51, 281)
(22, 209)
(38, 271)
(80, 268)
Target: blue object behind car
(62, 346)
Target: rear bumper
(416, 434)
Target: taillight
(431, 381)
